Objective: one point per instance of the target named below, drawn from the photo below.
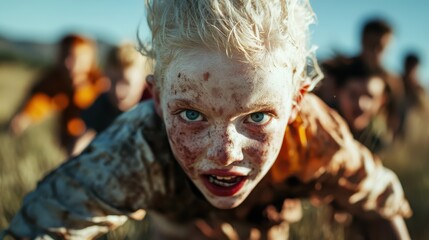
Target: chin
(225, 202)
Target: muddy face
(225, 121)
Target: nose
(365, 103)
(226, 146)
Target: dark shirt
(100, 114)
(60, 96)
(103, 112)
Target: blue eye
(191, 115)
(258, 118)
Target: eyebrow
(185, 103)
(244, 109)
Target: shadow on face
(360, 99)
(374, 46)
(128, 84)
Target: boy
(229, 77)
(360, 96)
(66, 89)
(126, 69)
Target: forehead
(212, 77)
(376, 86)
(375, 39)
(373, 85)
(82, 49)
(196, 61)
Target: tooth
(223, 178)
(224, 184)
(222, 181)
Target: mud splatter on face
(206, 76)
(232, 124)
(216, 92)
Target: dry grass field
(26, 159)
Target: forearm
(345, 173)
(359, 183)
(65, 207)
(117, 176)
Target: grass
(26, 159)
(23, 159)
(409, 158)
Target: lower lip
(223, 191)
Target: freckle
(183, 88)
(216, 92)
(178, 75)
(235, 97)
(206, 76)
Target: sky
(337, 29)
(339, 25)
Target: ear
(297, 102)
(150, 80)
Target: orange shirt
(55, 93)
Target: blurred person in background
(127, 70)
(361, 95)
(375, 37)
(68, 87)
(410, 78)
(414, 92)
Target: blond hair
(125, 55)
(253, 31)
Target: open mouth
(223, 185)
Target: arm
(344, 172)
(35, 106)
(113, 179)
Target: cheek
(265, 151)
(185, 143)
